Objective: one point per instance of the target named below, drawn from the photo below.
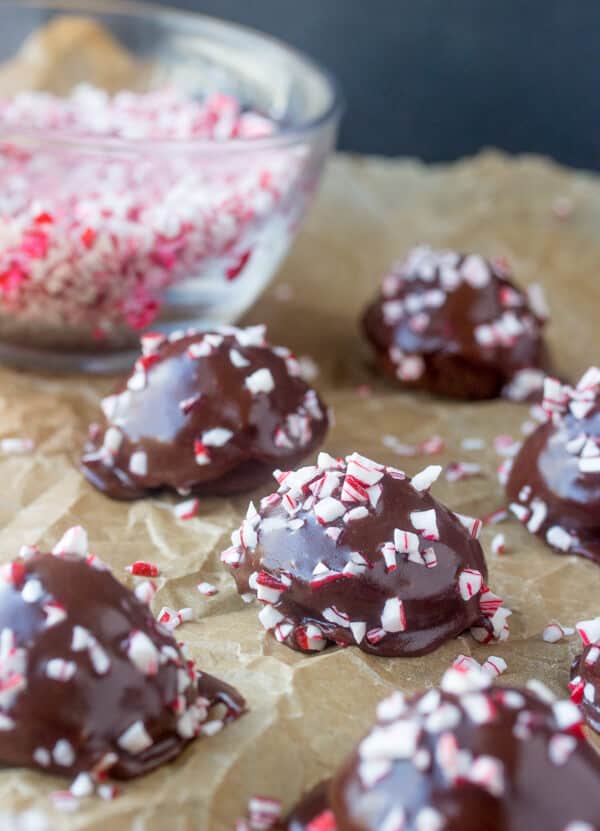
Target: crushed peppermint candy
(187, 509)
(554, 632)
(458, 471)
(432, 446)
(100, 250)
(472, 443)
(141, 568)
(263, 814)
(207, 589)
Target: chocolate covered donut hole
(457, 326)
(585, 673)
(209, 413)
(355, 552)
(467, 757)
(90, 683)
(554, 481)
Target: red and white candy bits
(554, 481)
(351, 551)
(585, 672)
(92, 239)
(457, 326)
(204, 413)
(87, 675)
(458, 758)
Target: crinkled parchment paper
(307, 711)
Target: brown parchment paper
(307, 711)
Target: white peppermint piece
(539, 511)
(32, 591)
(391, 707)
(60, 670)
(63, 753)
(559, 538)
(365, 470)
(428, 819)
(589, 631)
(73, 541)
(426, 523)
(269, 616)
(406, 542)
(424, 480)
(261, 381)
(135, 739)
(470, 583)
(216, 437)
(138, 463)
(113, 439)
(329, 509)
(143, 653)
(237, 359)
(251, 335)
(475, 271)
(82, 785)
(393, 618)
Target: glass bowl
(103, 237)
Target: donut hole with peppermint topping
(204, 413)
(90, 682)
(457, 326)
(352, 552)
(465, 757)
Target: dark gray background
(441, 78)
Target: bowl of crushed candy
(154, 169)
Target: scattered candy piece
(188, 509)
(341, 510)
(457, 471)
(16, 446)
(207, 589)
(143, 569)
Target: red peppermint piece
(143, 569)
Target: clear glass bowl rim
(286, 136)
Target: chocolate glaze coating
(88, 661)
(353, 577)
(550, 486)
(457, 326)
(196, 418)
(524, 767)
